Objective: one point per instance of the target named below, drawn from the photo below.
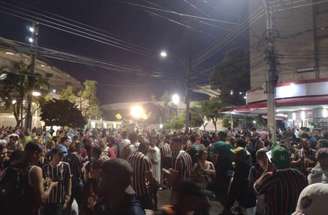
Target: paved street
(164, 198)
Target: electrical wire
(178, 13)
(192, 5)
(222, 43)
(69, 22)
(301, 5)
(54, 54)
(68, 29)
(179, 23)
(207, 54)
(151, 3)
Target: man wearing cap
(118, 196)
(280, 185)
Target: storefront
(302, 104)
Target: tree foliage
(16, 85)
(86, 99)
(232, 76)
(210, 109)
(68, 94)
(176, 122)
(62, 113)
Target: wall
(296, 43)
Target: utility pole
(34, 29)
(272, 70)
(187, 86)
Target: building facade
(301, 45)
(57, 78)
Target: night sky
(135, 25)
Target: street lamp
(36, 93)
(31, 29)
(30, 40)
(137, 112)
(163, 54)
(175, 99)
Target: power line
(230, 37)
(303, 5)
(192, 5)
(24, 15)
(210, 24)
(78, 24)
(178, 13)
(54, 54)
(178, 23)
(151, 3)
(219, 44)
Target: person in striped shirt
(142, 175)
(58, 171)
(166, 154)
(183, 162)
(280, 184)
(182, 166)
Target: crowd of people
(120, 172)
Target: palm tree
(15, 87)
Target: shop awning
(259, 107)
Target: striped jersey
(60, 173)
(141, 165)
(183, 164)
(281, 190)
(166, 150)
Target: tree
(232, 77)
(197, 117)
(176, 123)
(62, 113)
(210, 109)
(86, 99)
(89, 103)
(68, 94)
(17, 83)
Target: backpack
(13, 190)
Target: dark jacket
(241, 190)
(130, 206)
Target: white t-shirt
(318, 175)
(154, 154)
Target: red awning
(299, 101)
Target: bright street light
(36, 93)
(137, 112)
(13, 101)
(175, 99)
(30, 40)
(163, 54)
(31, 29)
